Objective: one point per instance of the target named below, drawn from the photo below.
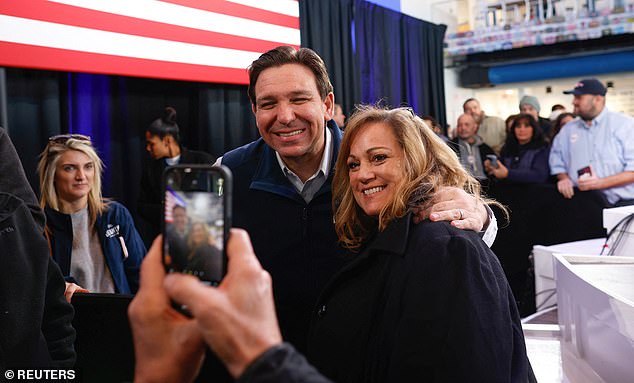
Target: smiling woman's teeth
(373, 190)
(290, 134)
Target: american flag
(172, 199)
(191, 40)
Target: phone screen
(494, 160)
(585, 171)
(196, 220)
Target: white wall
(503, 100)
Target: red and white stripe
(172, 199)
(192, 40)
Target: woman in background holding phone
(523, 163)
(94, 241)
(524, 157)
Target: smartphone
(584, 172)
(196, 220)
(494, 160)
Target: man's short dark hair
(557, 107)
(464, 104)
(288, 55)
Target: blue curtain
(376, 54)
(401, 59)
(327, 27)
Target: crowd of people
(549, 172)
(359, 256)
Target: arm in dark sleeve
(281, 363)
(538, 171)
(13, 180)
(57, 322)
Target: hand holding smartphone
(494, 160)
(197, 219)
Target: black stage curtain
(401, 59)
(115, 112)
(375, 54)
(326, 27)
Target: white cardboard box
(595, 299)
(545, 283)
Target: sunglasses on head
(63, 138)
(408, 109)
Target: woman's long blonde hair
(47, 166)
(429, 165)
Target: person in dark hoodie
(163, 145)
(35, 320)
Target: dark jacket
(35, 319)
(422, 303)
(483, 150)
(13, 180)
(295, 241)
(529, 166)
(546, 125)
(114, 225)
(151, 193)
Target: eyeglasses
(409, 110)
(63, 138)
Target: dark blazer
(422, 303)
(35, 319)
(546, 125)
(151, 197)
(530, 165)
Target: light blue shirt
(312, 185)
(606, 144)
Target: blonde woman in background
(94, 241)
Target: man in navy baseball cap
(594, 151)
(588, 86)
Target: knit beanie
(530, 100)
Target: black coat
(422, 303)
(151, 194)
(35, 319)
